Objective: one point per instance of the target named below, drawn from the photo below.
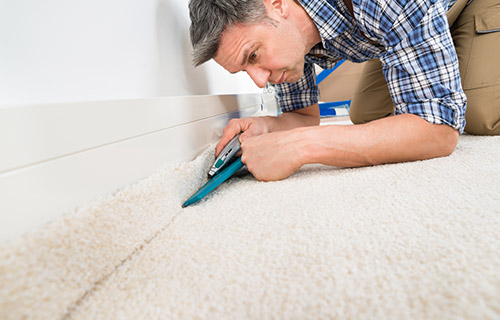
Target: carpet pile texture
(418, 240)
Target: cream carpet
(416, 240)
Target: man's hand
(255, 126)
(249, 126)
(274, 156)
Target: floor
(400, 241)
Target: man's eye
(253, 56)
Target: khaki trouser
(476, 33)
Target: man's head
(266, 38)
(209, 18)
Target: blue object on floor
(213, 183)
(328, 109)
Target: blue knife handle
(213, 183)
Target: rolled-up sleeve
(422, 72)
(301, 94)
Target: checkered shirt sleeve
(422, 69)
(413, 42)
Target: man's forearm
(393, 139)
(400, 138)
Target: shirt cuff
(298, 100)
(439, 111)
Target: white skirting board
(54, 158)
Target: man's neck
(307, 27)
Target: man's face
(267, 52)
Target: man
(278, 41)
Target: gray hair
(209, 19)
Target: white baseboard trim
(55, 158)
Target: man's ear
(280, 7)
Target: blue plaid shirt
(412, 40)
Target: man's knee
(371, 99)
(480, 126)
(477, 42)
(369, 106)
(356, 117)
(483, 111)
(364, 115)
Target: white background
(85, 50)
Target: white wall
(80, 50)
(56, 157)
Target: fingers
(244, 136)
(252, 127)
(230, 131)
(249, 126)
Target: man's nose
(259, 75)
